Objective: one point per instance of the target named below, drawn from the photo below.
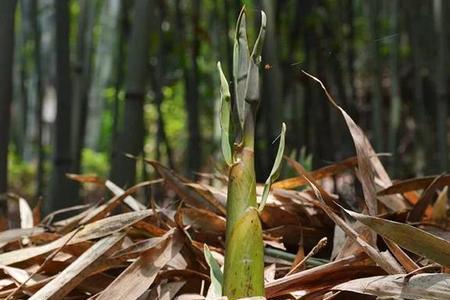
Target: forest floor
(344, 230)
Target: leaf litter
(394, 243)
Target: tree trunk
(102, 70)
(350, 57)
(190, 74)
(120, 71)
(131, 136)
(7, 13)
(374, 62)
(441, 84)
(82, 70)
(63, 192)
(395, 109)
(194, 153)
(39, 98)
(415, 20)
(157, 79)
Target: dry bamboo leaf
(138, 247)
(269, 273)
(138, 277)
(19, 275)
(82, 178)
(5, 283)
(49, 218)
(326, 275)
(169, 290)
(96, 283)
(76, 272)
(110, 225)
(27, 289)
(16, 234)
(166, 291)
(298, 266)
(94, 230)
(368, 248)
(26, 214)
(130, 201)
(327, 198)
(202, 220)
(368, 162)
(183, 274)
(407, 263)
(439, 214)
(274, 215)
(200, 297)
(413, 184)
(69, 224)
(409, 237)
(318, 174)
(150, 228)
(207, 193)
(421, 286)
(418, 210)
(178, 185)
(103, 210)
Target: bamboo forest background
(84, 81)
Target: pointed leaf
(369, 164)
(240, 66)
(26, 214)
(252, 87)
(215, 289)
(275, 172)
(225, 113)
(411, 238)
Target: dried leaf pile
(345, 230)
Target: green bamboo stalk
(244, 250)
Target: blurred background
(82, 82)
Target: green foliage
(306, 159)
(225, 114)
(106, 131)
(95, 162)
(21, 174)
(275, 172)
(174, 114)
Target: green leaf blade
(225, 114)
(275, 172)
(241, 59)
(215, 289)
